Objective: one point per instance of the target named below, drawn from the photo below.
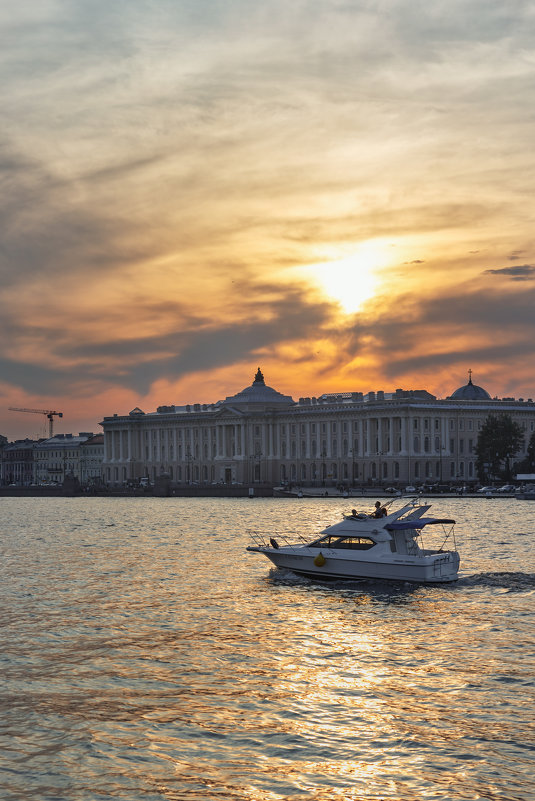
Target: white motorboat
(385, 545)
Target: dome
(259, 394)
(470, 391)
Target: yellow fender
(319, 561)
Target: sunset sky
(338, 191)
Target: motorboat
(385, 545)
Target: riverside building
(260, 436)
(61, 456)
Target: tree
(527, 465)
(498, 442)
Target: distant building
(91, 458)
(60, 457)
(337, 439)
(18, 462)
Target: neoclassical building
(262, 436)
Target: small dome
(470, 391)
(259, 393)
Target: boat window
(354, 543)
(349, 543)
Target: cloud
(166, 166)
(520, 272)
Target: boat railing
(266, 540)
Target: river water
(146, 655)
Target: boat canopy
(403, 525)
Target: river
(145, 655)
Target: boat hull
(437, 568)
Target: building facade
(350, 438)
(60, 457)
(18, 462)
(91, 458)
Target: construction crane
(48, 413)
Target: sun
(353, 280)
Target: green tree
(498, 442)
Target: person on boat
(353, 513)
(380, 511)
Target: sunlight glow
(354, 279)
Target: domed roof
(470, 391)
(259, 393)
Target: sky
(337, 191)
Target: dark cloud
(412, 338)
(520, 272)
(144, 360)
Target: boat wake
(512, 582)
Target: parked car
(483, 490)
(506, 488)
(410, 488)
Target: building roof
(259, 395)
(66, 440)
(470, 391)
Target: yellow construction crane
(48, 413)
